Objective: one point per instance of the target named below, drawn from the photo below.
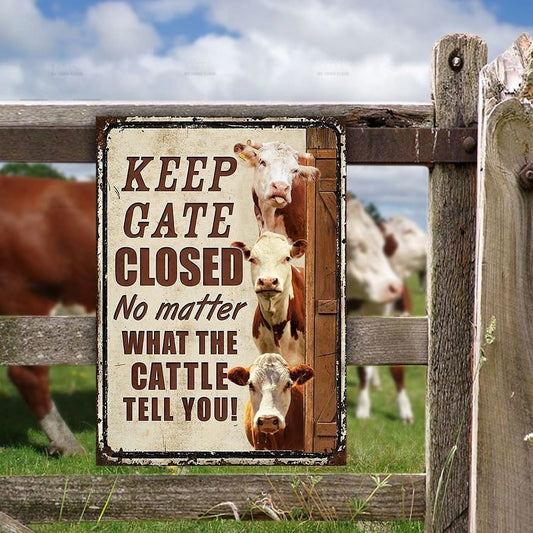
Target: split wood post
(457, 60)
(10, 525)
(502, 454)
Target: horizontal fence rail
(82, 115)
(72, 341)
(378, 135)
(179, 497)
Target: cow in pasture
(372, 288)
(410, 255)
(279, 321)
(279, 186)
(273, 415)
(47, 261)
(371, 283)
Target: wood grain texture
(10, 525)
(365, 146)
(47, 340)
(386, 341)
(83, 114)
(190, 497)
(72, 341)
(503, 394)
(322, 285)
(452, 193)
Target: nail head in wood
(469, 144)
(525, 177)
(456, 62)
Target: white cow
(371, 289)
(279, 321)
(370, 280)
(278, 188)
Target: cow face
(411, 253)
(276, 167)
(369, 274)
(270, 380)
(270, 260)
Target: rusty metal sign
(206, 321)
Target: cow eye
(252, 260)
(289, 385)
(262, 162)
(251, 386)
(295, 171)
(287, 259)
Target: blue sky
(182, 27)
(227, 50)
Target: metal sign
(211, 239)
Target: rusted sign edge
(105, 455)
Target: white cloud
(119, 31)
(24, 30)
(336, 50)
(12, 76)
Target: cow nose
(280, 188)
(268, 424)
(268, 284)
(395, 290)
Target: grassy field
(379, 445)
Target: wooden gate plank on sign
(457, 60)
(502, 473)
(323, 402)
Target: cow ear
(308, 173)
(305, 158)
(245, 250)
(246, 153)
(301, 373)
(239, 375)
(298, 248)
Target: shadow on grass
(78, 409)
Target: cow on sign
(279, 185)
(273, 415)
(372, 288)
(279, 320)
(47, 257)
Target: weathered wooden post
(457, 60)
(502, 462)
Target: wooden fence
(456, 491)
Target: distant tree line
(371, 208)
(37, 170)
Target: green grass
(379, 445)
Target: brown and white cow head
(369, 275)
(270, 259)
(277, 167)
(270, 380)
(410, 256)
